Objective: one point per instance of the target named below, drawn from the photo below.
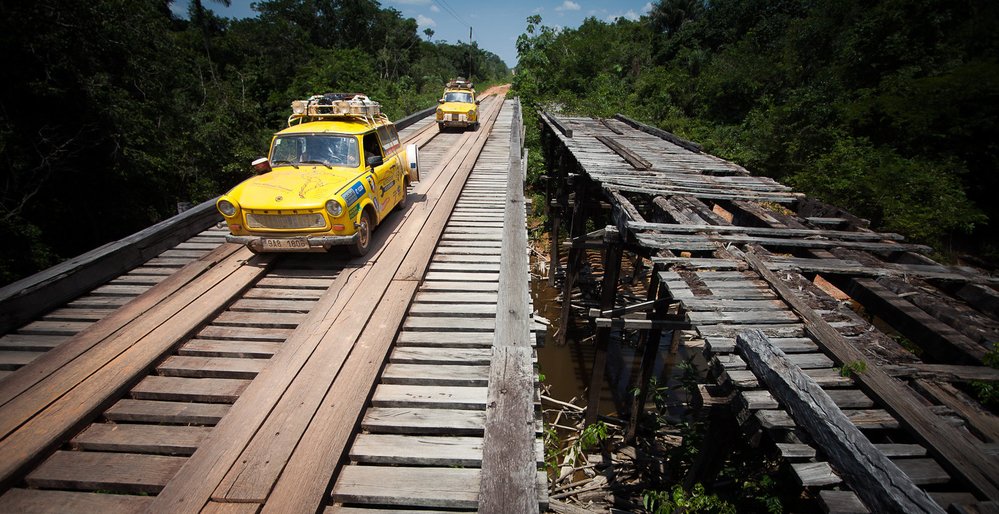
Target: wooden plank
(424, 421)
(407, 486)
(435, 374)
(150, 411)
(678, 228)
(429, 397)
(953, 448)
(210, 367)
(120, 472)
(422, 355)
(235, 349)
(983, 423)
(841, 502)
(442, 323)
(935, 337)
(208, 390)
(454, 339)
(163, 440)
(30, 343)
(815, 474)
(50, 410)
(40, 501)
(870, 474)
(417, 450)
(509, 463)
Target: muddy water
(567, 366)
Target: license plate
(291, 243)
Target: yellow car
(458, 107)
(331, 177)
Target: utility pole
(469, 52)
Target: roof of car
(340, 125)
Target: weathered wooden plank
(417, 450)
(210, 367)
(407, 486)
(245, 333)
(151, 411)
(240, 349)
(53, 405)
(209, 390)
(120, 472)
(259, 319)
(977, 469)
(424, 421)
(443, 324)
(435, 374)
(164, 440)
(872, 475)
(841, 502)
(40, 501)
(422, 355)
(429, 397)
(455, 339)
(457, 297)
(449, 310)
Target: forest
(888, 108)
(114, 111)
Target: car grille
(457, 117)
(285, 221)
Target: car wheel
(363, 240)
(440, 127)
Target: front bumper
(292, 244)
(455, 120)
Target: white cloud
(434, 8)
(425, 22)
(630, 15)
(647, 8)
(538, 10)
(568, 5)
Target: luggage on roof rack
(332, 105)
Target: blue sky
(495, 24)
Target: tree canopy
(887, 108)
(115, 110)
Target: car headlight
(333, 207)
(227, 208)
(471, 114)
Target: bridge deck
(734, 253)
(262, 366)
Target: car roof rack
(459, 83)
(331, 106)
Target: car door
(393, 180)
(381, 174)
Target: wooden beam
(660, 133)
(875, 478)
(954, 449)
(608, 296)
(555, 122)
(509, 464)
(636, 161)
(764, 231)
(29, 297)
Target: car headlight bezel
(334, 208)
(227, 208)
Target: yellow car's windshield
(458, 97)
(328, 150)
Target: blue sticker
(355, 192)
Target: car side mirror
(375, 160)
(477, 102)
(261, 165)
(440, 101)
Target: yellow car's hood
(458, 107)
(286, 187)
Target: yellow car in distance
(331, 177)
(458, 107)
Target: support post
(575, 257)
(608, 295)
(651, 350)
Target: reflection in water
(567, 367)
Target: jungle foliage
(115, 110)
(888, 108)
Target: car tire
(362, 243)
(440, 127)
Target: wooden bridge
(798, 309)
(173, 372)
